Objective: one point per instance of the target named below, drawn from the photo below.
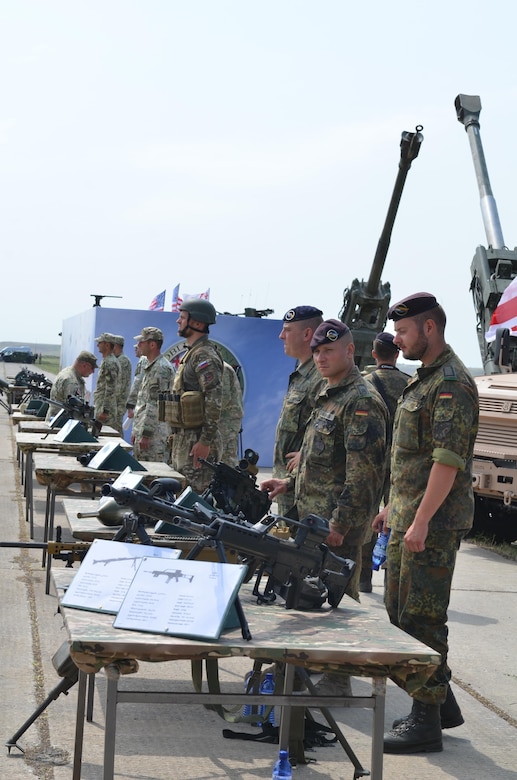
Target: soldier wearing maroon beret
(342, 459)
(430, 509)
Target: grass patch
(504, 549)
(49, 363)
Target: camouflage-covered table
(58, 472)
(350, 639)
(29, 443)
(35, 425)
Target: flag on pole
(176, 300)
(205, 296)
(158, 302)
(505, 315)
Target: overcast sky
(249, 148)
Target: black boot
(419, 733)
(365, 581)
(450, 713)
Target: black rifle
(233, 490)
(76, 408)
(296, 568)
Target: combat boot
(450, 713)
(419, 733)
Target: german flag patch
(445, 396)
(361, 413)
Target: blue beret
(300, 313)
(412, 305)
(328, 332)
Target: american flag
(158, 302)
(176, 300)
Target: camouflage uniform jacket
(67, 382)
(201, 368)
(137, 381)
(304, 383)
(157, 377)
(126, 370)
(389, 381)
(232, 412)
(343, 455)
(107, 389)
(436, 421)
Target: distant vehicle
(17, 355)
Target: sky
(248, 148)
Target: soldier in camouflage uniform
(298, 328)
(232, 412)
(342, 460)
(431, 508)
(200, 371)
(108, 384)
(137, 379)
(389, 381)
(70, 381)
(150, 437)
(126, 370)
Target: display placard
(107, 571)
(190, 598)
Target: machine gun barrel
(288, 563)
(468, 109)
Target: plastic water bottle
(268, 687)
(379, 551)
(282, 769)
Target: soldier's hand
(335, 539)
(380, 521)
(199, 451)
(293, 459)
(144, 443)
(274, 487)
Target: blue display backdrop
(250, 343)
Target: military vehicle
(492, 270)
(366, 304)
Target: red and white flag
(505, 315)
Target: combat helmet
(200, 310)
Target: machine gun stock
(297, 569)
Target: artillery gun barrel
(468, 109)
(409, 147)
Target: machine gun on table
(75, 408)
(233, 489)
(297, 569)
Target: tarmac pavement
(163, 742)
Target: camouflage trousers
(182, 443)
(159, 450)
(417, 598)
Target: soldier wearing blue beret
(298, 328)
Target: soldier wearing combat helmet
(430, 509)
(196, 433)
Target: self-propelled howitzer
(302, 570)
(366, 304)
